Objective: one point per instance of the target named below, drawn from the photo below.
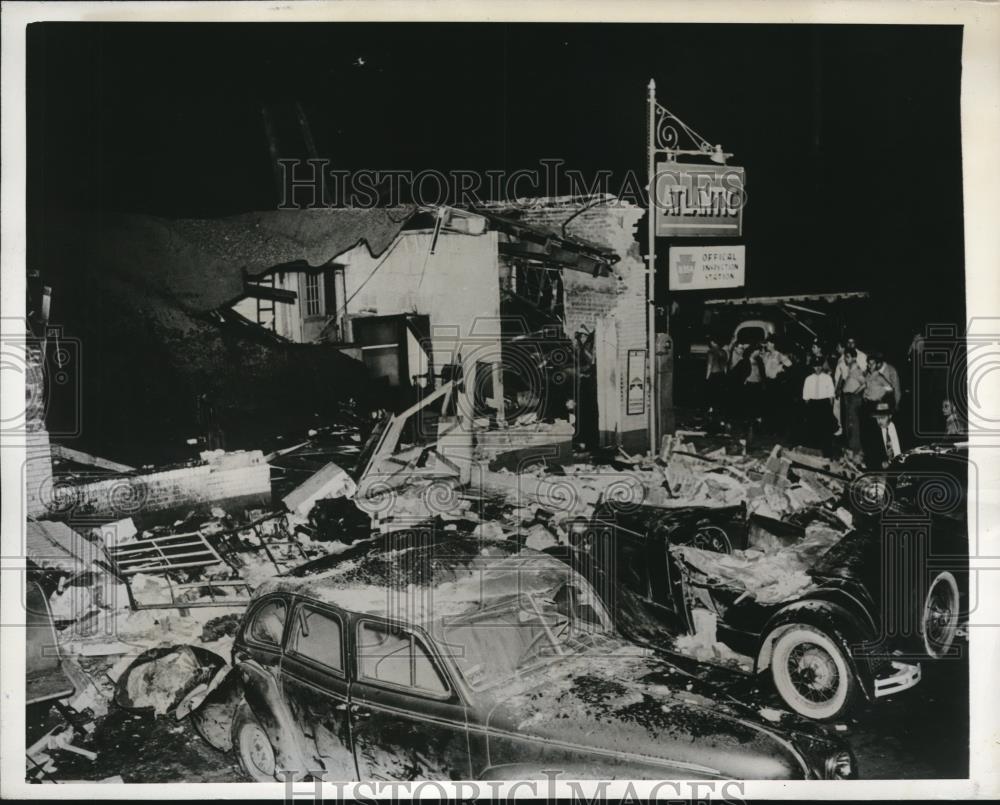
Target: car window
(750, 335)
(269, 623)
(317, 636)
(396, 657)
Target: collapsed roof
(200, 264)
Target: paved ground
(922, 733)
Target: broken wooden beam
(80, 457)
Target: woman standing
(817, 394)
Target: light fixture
(719, 156)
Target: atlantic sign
(699, 200)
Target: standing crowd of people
(812, 396)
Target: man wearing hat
(881, 443)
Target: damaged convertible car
(421, 657)
(809, 602)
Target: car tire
(253, 747)
(811, 673)
(939, 616)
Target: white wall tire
(253, 747)
(811, 673)
(939, 619)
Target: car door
(408, 720)
(258, 654)
(315, 683)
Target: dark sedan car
(469, 659)
(918, 510)
(821, 629)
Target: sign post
(685, 200)
(668, 385)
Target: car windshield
(493, 645)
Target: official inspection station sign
(698, 268)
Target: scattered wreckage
(420, 656)
(713, 543)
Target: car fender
(263, 696)
(841, 621)
(213, 716)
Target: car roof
(419, 579)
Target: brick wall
(38, 453)
(620, 300)
(231, 481)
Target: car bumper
(901, 676)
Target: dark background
(850, 135)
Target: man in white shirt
(817, 394)
(862, 357)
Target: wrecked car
(421, 657)
(798, 606)
(917, 509)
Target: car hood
(654, 711)
(853, 558)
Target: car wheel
(253, 747)
(812, 674)
(712, 538)
(939, 622)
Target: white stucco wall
(458, 287)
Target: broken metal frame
(214, 601)
(150, 555)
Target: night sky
(850, 135)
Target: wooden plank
(80, 457)
(272, 294)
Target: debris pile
(680, 476)
(140, 613)
(145, 613)
(767, 576)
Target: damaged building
(304, 304)
(407, 377)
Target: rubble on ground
(788, 481)
(767, 576)
(704, 645)
(150, 612)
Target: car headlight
(871, 494)
(840, 766)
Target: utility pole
(671, 137)
(651, 269)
